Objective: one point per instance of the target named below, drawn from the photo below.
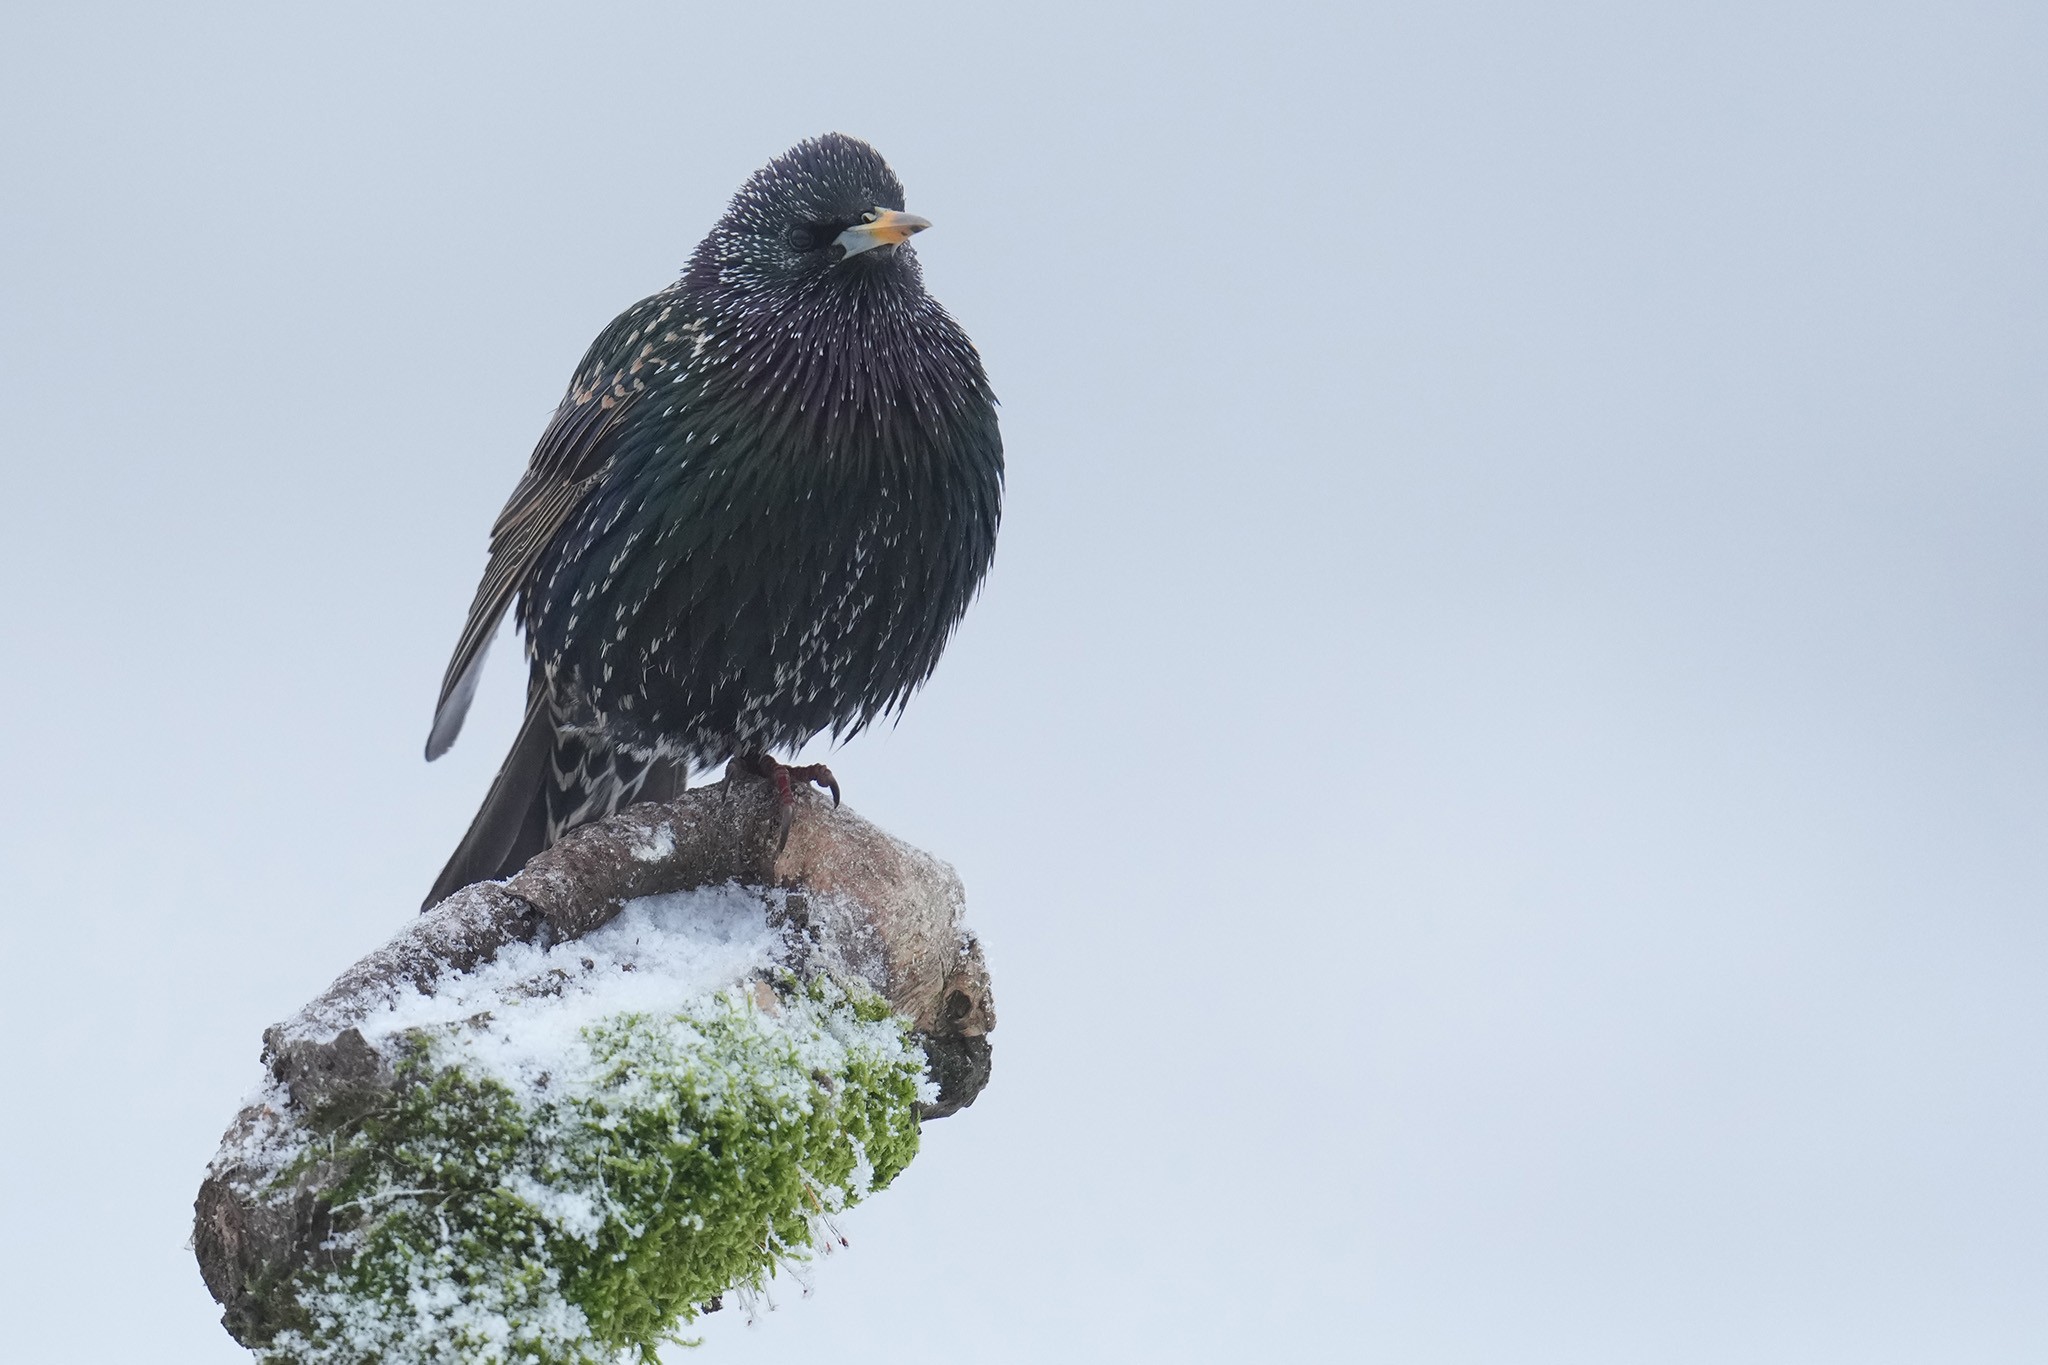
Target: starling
(757, 515)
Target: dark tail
(551, 782)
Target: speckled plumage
(758, 514)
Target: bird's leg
(765, 765)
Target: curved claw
(819, 775)
(785, 799)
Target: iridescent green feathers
(765, 502)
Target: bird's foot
(782, 775)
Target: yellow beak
(886, 228)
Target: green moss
(669, 1160)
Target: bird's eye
(802, 238)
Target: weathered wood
(859, 903)
(878, 908)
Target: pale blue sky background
(1502, 765)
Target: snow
(521, 1018)
(525, 1010)
(657, 846)
(530, 1020)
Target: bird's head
(828, 209)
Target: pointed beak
(886, 228)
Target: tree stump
(861, 969)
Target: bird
(758, 514)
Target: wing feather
(568, 462)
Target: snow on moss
(589, 1143)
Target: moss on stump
(586, 1219)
